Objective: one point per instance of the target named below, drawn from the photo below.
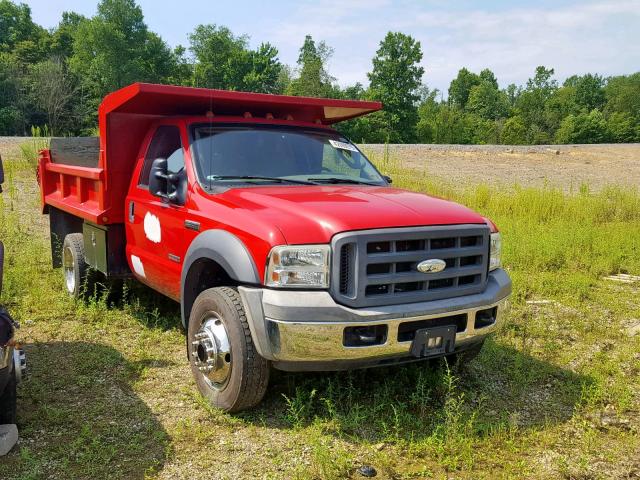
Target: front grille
(346, 265)
(379, 267)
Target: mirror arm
(169, 177)
(167, 197)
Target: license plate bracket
(431, 342)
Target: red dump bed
(89, 178)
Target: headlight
(299, 266)
(495, 252)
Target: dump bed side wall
(77, 190)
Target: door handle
(131, 211)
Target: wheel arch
(214, 258)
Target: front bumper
(305, 330)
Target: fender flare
(226, 250)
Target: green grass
(553, 395)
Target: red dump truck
(284, 245)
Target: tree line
(55, 79)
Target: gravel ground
(10, 146)
(565, 166)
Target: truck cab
(283, 243)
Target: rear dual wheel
(75, 268)
(228, 370)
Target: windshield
(264, 155)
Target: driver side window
(165, 143)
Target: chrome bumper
(304, 330)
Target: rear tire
(74, 265)
(228, 370)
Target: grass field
(555, 395)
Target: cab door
(155, 225)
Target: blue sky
(509, 37)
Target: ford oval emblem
(433, 265)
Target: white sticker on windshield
(343, 145)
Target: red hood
(314, 214)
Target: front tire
(74, 266)
(228, 370)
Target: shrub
(583, 128)
(514, 132)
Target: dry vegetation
(555, 395)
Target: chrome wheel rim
(211, 351)
(69, 269)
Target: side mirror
(158, 178)
(388, 179)
(171, 187)
(1, 174)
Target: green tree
(531, 105)
(263, 74)
(53, 90)
(395, 81)
(561, 102)
(61, 42)
(589, 90)
(115, 48)
(487, 101)
(583, 128)
(19, 35)
(622, 94)
(225, 61)
(622, 128)
(512, 92)
(487, 75)
(460, 88)
(313, 79)
(221, 57)
(11, 113)
(514, 132)
(483, 131)
(427, 113)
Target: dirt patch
(10, 146)
(565, 166)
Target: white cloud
(599, 37)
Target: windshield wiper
(341, 180)
(254, 177)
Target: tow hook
(19, 364)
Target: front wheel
(228, 370)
